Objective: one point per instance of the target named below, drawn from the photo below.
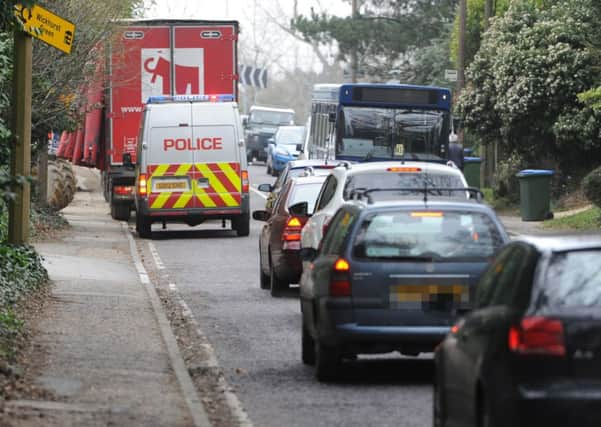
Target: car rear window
(442, 236)
(305, 193)
(403, 179)
(316, 171)
(573, 279)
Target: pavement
(108, 354)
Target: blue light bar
(191, 98)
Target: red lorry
(147, 58)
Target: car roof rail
(366, 193)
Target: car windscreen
(271, 117)
(427, 235)
(305, 193)
(403, 180)
(573, 279)
(291, 136)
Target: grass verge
(589, 219)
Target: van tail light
(142, 185)
(340, 281)
(291, 235)
(538, 336)
(245, 183)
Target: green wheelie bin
(535, 194)
(471, 171)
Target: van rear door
(217, 157)
(170, 158)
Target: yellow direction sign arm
(46, 26)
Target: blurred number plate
(414, 296)
(181, 185)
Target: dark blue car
(392, 276)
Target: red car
(279, 243)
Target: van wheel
(120, 212)
(241, 225)
(143, 226)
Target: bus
(372, 121)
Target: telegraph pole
(461, 47)
(354, 61)
(20, 159)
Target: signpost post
(42, 24)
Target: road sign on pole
(450, 75)
(20, 159)
(46, 26)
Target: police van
(191, 163)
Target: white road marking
(196, 408)
(260, 193)
(212, 363)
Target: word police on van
(191, 164)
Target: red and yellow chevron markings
(210, 185)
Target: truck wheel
(120, 212)
(61, 184)
(241, 225)
(143, 226)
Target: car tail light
(142, 185)
(340, 282)
(245, 183)
(537, 335)
(291, 235)
(123, 190)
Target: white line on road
(254, 190)
(197, 411)
(212, 363)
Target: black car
(392, 276)
(530, 353)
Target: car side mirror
(307, 254)
(265, 188)
(299, 148)
(261, 215)
(299, 209)
(127, 160)
(245, 122)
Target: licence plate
(428, 296)
(171, 185)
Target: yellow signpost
(46, 26)
(59, 33)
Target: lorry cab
(191, 163)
